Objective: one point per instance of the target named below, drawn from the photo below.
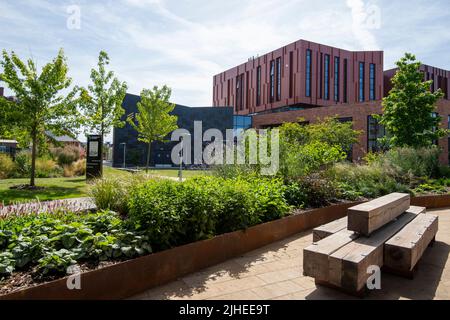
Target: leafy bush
(52, 243)
(23, 163)
(369, 181)
(7, 166)
(66, 155)
(110, 194)
(47, 168)
(313, 190)
(430, 188)
(172, 213)
(409, 162)
(76, 169)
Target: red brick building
(313, 81)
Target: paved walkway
(275, 272)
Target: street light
(180, 172)
(124, 153)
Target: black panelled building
(136, 151)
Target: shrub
(66, 155)
(316, 191)
(369, 181)
(411, 162)
(75, 169)
(172, 213)
(47, 168)
(110, 194)
(49, 243)
(23, 163)
(7, 166)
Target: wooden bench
(348, 265)
(367, 217)
(403, 251)
(315, 257)
(328, 229)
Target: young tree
(42, 102)
(102, 102)
(153, 121)
(408, 109)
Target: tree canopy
(409, 110)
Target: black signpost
(94, 158)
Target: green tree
(408, 109)
(153, 121)
(102, 102)
(43, 102)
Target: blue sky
(183, 43)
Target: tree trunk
(148, 157)
(33, 157)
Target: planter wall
(127, 278)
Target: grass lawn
(65, 188)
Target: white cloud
(184, 43)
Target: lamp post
(124, 153)
(180, 172)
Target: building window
(272, 80)
(372, 82)
(336, 78)
(432, 84)
(241, 123)
(291, 74)
(361, 82)
(278, 79)
(247, 90)
(345, 81)
(321, 76)
(258, 86)
(375, 131)
(308, 72)
(238, 93)
(228, 94)
(326, 93)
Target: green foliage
(409, 162)
(43, 102)
(110, 193)
(305, 149)
(430, 188)
(7, 166)
(312, 190)
(52, 242)
(45, 167)
(153, 121)
(66, 155)
(371, 181)
(173, 213)
(102, 101)
(407, 110)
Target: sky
(184, 43)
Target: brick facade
(359, 114)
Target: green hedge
(173, 213)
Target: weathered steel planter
(131, 277)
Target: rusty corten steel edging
(131, 277)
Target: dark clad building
(136, 151)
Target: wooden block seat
(328, 229)
(367, 217)
(404, 250)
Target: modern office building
(126, 138)
(312, 81)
